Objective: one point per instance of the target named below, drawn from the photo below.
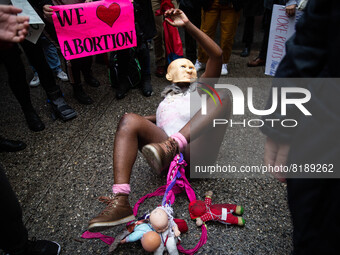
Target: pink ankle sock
(121, 188)
(180, 139)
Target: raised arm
(177, 18)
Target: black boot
(93, 82)
(33, 120)
(146, 86)
(123, 88)
(60, 107)
(80, 95)
(11, 145)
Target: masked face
(181, 70)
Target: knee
(127, 119)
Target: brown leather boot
(117, 211)
(160, 155)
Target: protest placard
(282, 28)
(36, 24)
(93, 28)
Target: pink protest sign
(93, 28)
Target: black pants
(248, 32)
(194, 15)
(77, 66)
(315, 207)
(17, 74)
(13, 234)
(267, 18)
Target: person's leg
(144, 60)
(261, 59)
(248, 35)
(51, 53)
(74, 67)
(18, 84)
(194, 15)
(123, 86)
(158, 41)
(313, 204)
(209, 21)
(133, 133)
(194, 139)
(13, 234)
(229, 22)
(86, 69)
(267, 16)
(35, 54)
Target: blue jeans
(51, 54)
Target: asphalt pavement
(64, 168)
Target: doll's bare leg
(133, 133)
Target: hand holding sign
(94, 28)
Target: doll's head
(159, 220)
(197, 208)
(151, 241)
(181, 70)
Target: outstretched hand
(176, 17)
(275, 155)
(13, 28)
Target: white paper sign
(282, 28)
(36, 24)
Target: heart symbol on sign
(108, 15)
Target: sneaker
(117, 211)
(160, 155)
(224, 70)
(62, 75)
(42, 247)
(199, 66)
(35, 81)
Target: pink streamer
(179, 187)
(202, 241)
(106, 239)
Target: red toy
(205, 211)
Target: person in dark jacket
(314, 202)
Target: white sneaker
(62, 75)
(224, 70)
(199, 66)
(35, 81)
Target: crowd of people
(159, 137)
